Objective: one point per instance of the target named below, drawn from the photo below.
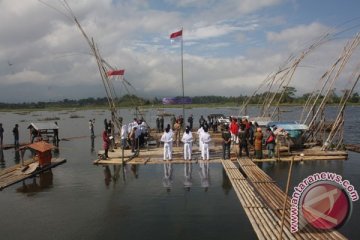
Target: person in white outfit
(167, 139)
(199, 132)
(205, 140)
(187, 139)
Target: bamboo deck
(14, 174)
(353, 147)
(262, 201)
(155, 155)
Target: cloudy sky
(230, 46)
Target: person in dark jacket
(243, 141)
(226, 136)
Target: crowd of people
(245, 134)
(132, 135)
(240, 133)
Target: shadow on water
(187, 176)
(168, 176)
(38, 184)
(2, 160)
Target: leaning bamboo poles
(108, 86)
(316, 122)
(339, 121)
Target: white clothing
(124, 132)
(205, 140)
(167, 139)
(187, 175)
(167, 180)
(204, 174)
(137, 132)
(187, 140)
(199, 132)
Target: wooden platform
(18, 173)
(262, 201)
(353, 147)
(155, 156)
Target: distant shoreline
(155, 106)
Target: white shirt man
(187, 139)
(205, 139)
(199, 132)
(124, 135)
(167, 139)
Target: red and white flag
(176, 35)
(116, 72)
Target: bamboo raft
(155, 155)
(263, 202)
(18, 173)
(353, 147)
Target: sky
(230, 46)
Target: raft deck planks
(14, 174)
(262, 201)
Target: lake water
(81, 201)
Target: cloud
(229, 48)
(298, 36)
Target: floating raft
(155, 156)
(262, 201)
(353, 147)
(18, 173)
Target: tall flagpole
(182, 77)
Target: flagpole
(182, 78)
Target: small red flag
(116, 72)
(176, 35)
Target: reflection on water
(2, 160)
(226, 184)
(168, 172)
(107, 175)
(120, 200)
(17, 156)
(92, 140)
(187, 176)
(45, 182)
(204, 174)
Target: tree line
(288, 97)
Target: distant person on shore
(91, 127)
(161, 123)
(187, 139)
(106, 143)
(270, 143)
(258, 144)
(1, 134)
(226, 136)
(158, 129)
(167, 139)
(56, 133)
(16, 135)
(205, 140)
(105, 124)
(190, 121)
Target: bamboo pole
(285, 198)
